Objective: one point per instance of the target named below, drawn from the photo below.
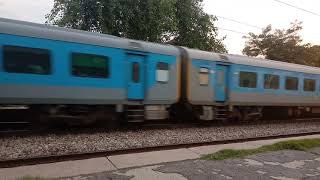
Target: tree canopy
(179, 22)
(282, 45)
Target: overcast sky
(255, 12)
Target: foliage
(299, 145)
(196, 28)
(32, 178)
(179, 22)
(77, 14)
(313, 55)
(282, 45)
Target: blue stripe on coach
(234, 70)
(61, 70)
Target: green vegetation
(32, 178)
(178, 22)
(300, 145)
(282, 45)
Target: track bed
(83, 144)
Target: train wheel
(297, 113)
(236, 115)
(291, 113)
(39, 121)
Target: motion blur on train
(83, 77)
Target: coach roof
(250, 61)
(22, 28)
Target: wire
(296, 7)
(234, 31)
(240, 22)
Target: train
(86, 76)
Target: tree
(147, 20)
(282, 45)
(144, 20)
(180, 22)
(196, 28)
(312, 55)
(76, 14)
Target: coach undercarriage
(253, 113)
(41, 116)
(84, 115)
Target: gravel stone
(62, 144)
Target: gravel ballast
(62, 144)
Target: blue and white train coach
(63, 72)
(230, 86)
(73, 74)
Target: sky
(262, 13)
(259, 13)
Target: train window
(135, 72)
(89, 65)
(162, 72)
(292, 83)
(248, 79)
(271, 81)
(309, 85)
(26, 60)
(204, 76)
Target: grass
(299, 145)
(32, 178)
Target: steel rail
(87, 155)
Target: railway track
(24, 128)
(12, 127)
(79, 156)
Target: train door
(221, 85)
(136, 82)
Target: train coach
(82, 77)
(74, 74)
(221, 87)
